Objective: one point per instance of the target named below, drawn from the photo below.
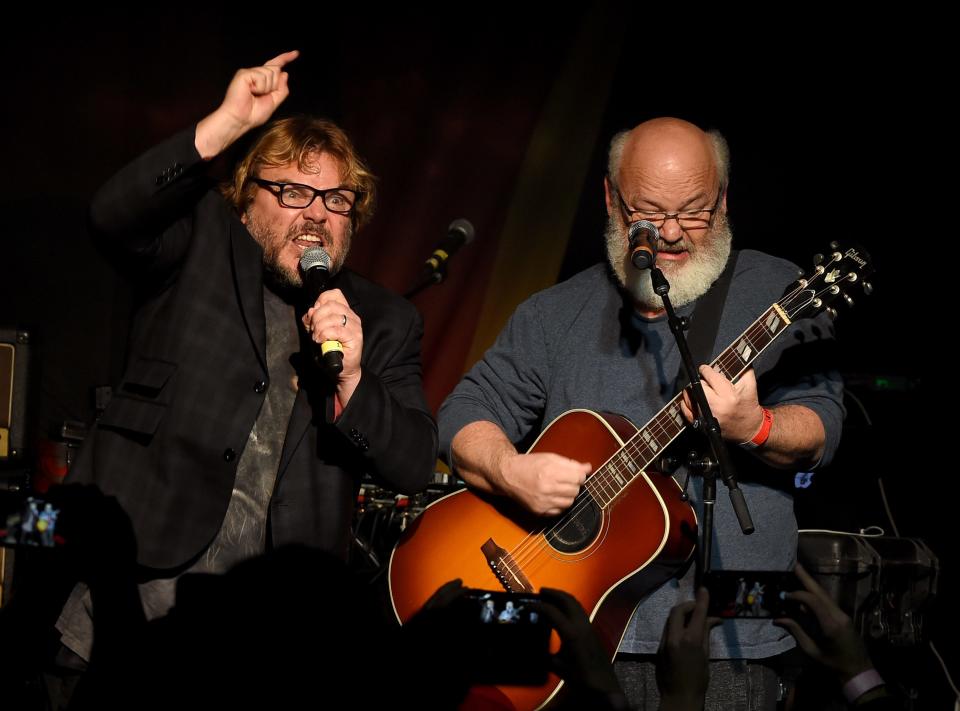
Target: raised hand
(253, 95)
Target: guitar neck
(645, 446)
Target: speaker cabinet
(14, 370)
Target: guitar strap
(705, 321)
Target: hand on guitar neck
(735, 405)
(796, 436)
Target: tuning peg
(867, 288)
(847, 299)
(817, 260)
(835, 245)
(832, 313)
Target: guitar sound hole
(576, 528)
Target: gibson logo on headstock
(855, 256)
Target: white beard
(688, 282)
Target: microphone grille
(314, 257)
(464, 227)
(653, 234)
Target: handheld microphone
(459, 233)
(315, 266)
(643, 237)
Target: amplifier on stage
(14, 361)
(887, 585)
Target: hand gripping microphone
(315, 266)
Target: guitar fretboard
(644, 447)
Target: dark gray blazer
(167, 445)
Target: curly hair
(298, 139)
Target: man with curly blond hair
(224, 437)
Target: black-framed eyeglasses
(294, 195)
(687, 219)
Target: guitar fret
(621, 482)
(773, 321)
(744, 349)
(676, 416)
(643, 452)
(602, 482)
(591, 488)
(605, 481)
(601, 499)
(668, 425)
(673, 422)
(760, 337)
(594, 483)
(650, 440)
(731, 365)
(621, 473)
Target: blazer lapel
(247, 259)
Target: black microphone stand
(707, 424)
(459, 233)
(433, 275)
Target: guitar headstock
(842, 270)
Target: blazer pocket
(137, 405)
(129, 414)
(147, 378)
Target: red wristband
(763, 433)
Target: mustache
(681, 245)
(673, 248)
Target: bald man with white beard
(600, 341)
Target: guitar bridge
(502, 564)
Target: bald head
(673, 174)
(665, 148)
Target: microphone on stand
(643, 238)
(459, 233)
